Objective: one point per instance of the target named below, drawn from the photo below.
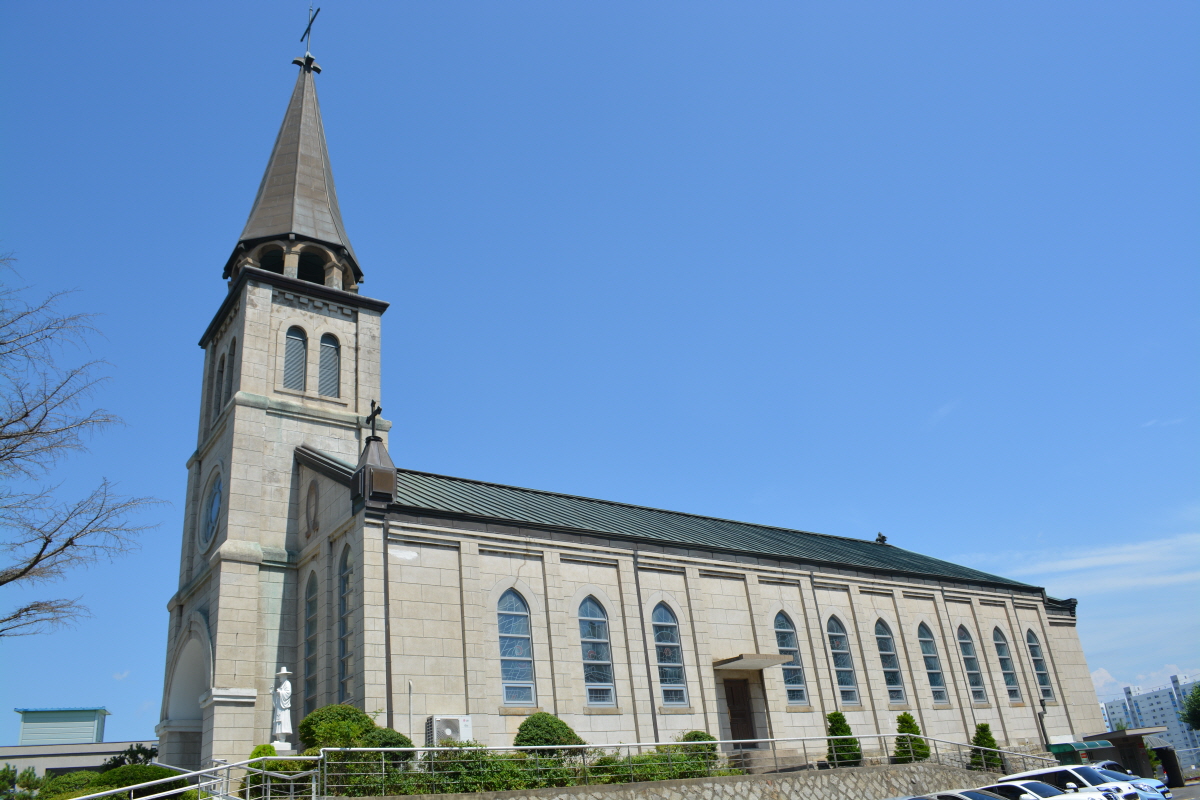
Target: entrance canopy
(752, 661)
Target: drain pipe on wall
(410, 729)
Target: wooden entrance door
(737, 701)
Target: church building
(416, 596)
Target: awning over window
(1070, 747)
(752, 661)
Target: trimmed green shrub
(133, 774)
(334, 726)
(134, 754)
(387, 737)
(67, 783)
(910, 746)
(983, 759)
(542, 729)
(842, 752)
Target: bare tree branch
(43, 420)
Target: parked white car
(1121, 775)
(963, 794)
(1023, 790)
(1075, 778)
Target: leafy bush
(334, 726)
(133, 774)
(842, 752)
(387, 737)
(910, 746)
(545, 730)
(983, 759)
(67, 783)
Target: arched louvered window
(668, 651)
(345, 631)
(310, 645)
(230, 371)
(295, 359)
(218, 384)
(597, 654)
(933, 664)
(843, 661)
(1006, 665)
(793, 671)
(516, 651)
(1039, 665)
(328, 378)
(892, 677)
(971, 665)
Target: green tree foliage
(134, 754)
(133, 774)
(542, 729)
(981, 758)
(67, 783)
(910, 746)
(386, 737)
(842, 752)
(1190, 715)
(335, 726)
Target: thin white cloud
(944, 411)
(1155, 423)
(1103, 570)
(120, 676)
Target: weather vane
(312, 15)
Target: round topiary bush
(696, 743)
(334, 726)
(133, 774)
(67, 783)
(387, 737)
(542, 729)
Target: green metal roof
(1070, 747)
(514, 505)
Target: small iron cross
(376, 409)
(312, 16)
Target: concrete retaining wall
(853, 783)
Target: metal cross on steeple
(376, 410)
(312, 16)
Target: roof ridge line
(643, 508)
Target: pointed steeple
(296, 200)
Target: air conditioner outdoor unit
(439, 728)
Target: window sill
(899, 707)
(798, 708)
(518, 711)
(981, 705)
(1016, 704)
(601, 710)
(306, 395)
(676, 710)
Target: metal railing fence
(468, 767)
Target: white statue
(281, 699)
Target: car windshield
(1113, 775)
(1092, 776)
(974, 795)
(1042, 789)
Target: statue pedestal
(284, 748)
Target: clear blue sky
(924, 268)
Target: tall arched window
(892, 677)
(328, 376)
(971, 665)
(843, 661)
(310, 645)
(668, 651)
(597, 655)
(933, 664)
(218, 387)
(345, 631)
(230, 371)
(295, 359)
(793, 671)
(1006, 665)
(516, 651)
(1039, 665)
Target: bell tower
(291, 359)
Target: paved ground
(1191, 792)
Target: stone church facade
(412, 595)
